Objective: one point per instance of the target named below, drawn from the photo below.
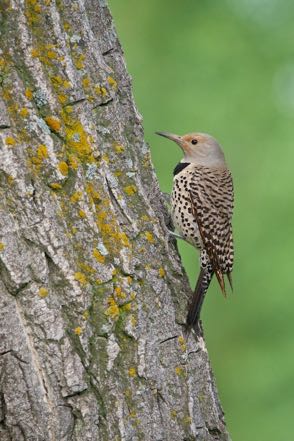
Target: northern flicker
(202, 207)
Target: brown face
(194, 138)
(192, 141)
(189, 143)
(198, 148)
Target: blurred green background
(227, 68)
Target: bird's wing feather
(211, 194)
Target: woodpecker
(201, 207)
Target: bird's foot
(176, 235)
(167, 199)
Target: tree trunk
(92, 292)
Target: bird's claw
(175, 235)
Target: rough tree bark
(92, 292)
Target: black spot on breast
(180, 166)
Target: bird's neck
(207, 161)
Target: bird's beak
(171, 136)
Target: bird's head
(198, 148)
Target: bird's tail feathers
(201, 288)
(221, 281)
(229, 276)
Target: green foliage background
(227, 68)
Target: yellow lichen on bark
(113, 310)
(80, 277)
(43, 292)
(98, 256)
(54, 123)
(63, 168)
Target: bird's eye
(194, 141)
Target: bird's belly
(183, 217)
